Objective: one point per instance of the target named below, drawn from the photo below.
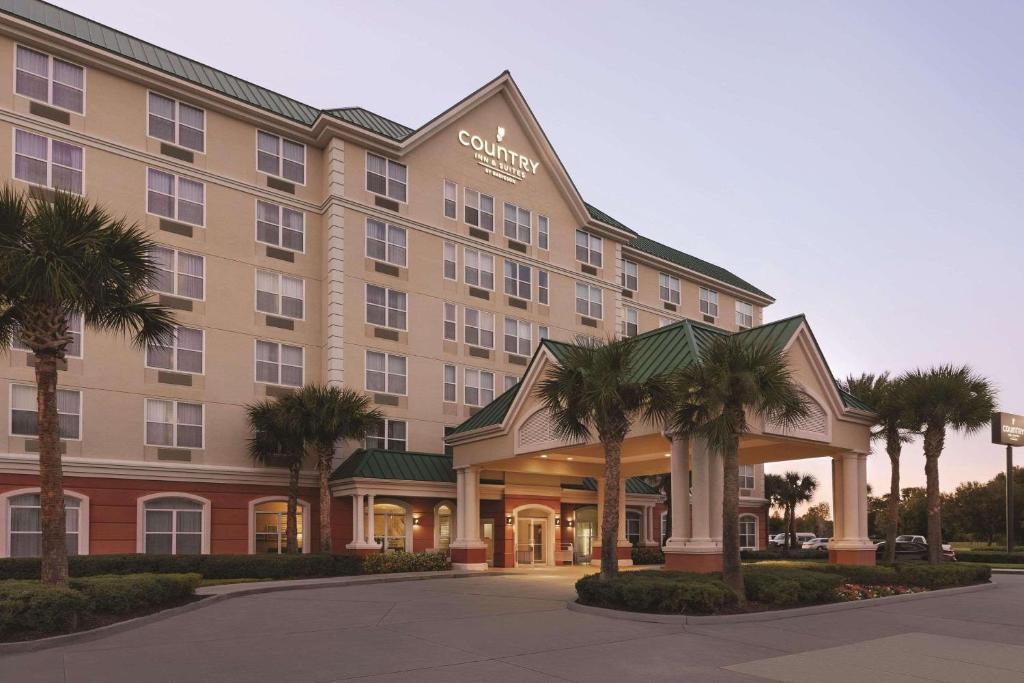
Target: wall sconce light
(415, 521)
(508, 520)
(570, 523)
(558, 521)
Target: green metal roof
(635, 485)
(373, 122)
(659, 250)
(376, 463)
(599, 215)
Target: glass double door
(531, 537)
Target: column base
(623, 554)
(469, 557)
(362, 549)
(854, 556)
(702, 563)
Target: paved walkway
(516, 628)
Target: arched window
(748, 532)
(634, 526)
(269, 520)
(444, 525)
(174, 524)
(23, 527)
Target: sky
(862, 162)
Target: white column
(623, 541)
(472, 479)
(680, 491)
(716, 478)
(838, 518)
(334, 282)
(369, 519)
(862, 496)
(701, 494)
(460, 506)
(357, 533)
(851, 510)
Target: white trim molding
(140, 517)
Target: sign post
(1008, 430)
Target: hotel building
(438, 268)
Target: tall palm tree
(885, 396)
(947, 396)
(326, 415)
(593, 390)
(730, 380)
(794, 488)
(59, 259)
(277, 441)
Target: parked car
(819, 544)
(915, 551)
(779, 540)
(910, 538)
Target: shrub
(777, 554)
(31, 607)
(396, 562)
(996, 557)
(941, 575)
(877, 575)
(129, 593)
(785, 586)
(648, 555)
(657, 591)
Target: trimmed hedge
(648, 555)
(784, 587)
(777, 554)
(392, 563)
(657, 591)
(993, 556)
(941, 575)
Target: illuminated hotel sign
(496, 159)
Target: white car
(801, 538)
(819, 544)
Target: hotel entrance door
(531, 538)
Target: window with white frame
(280, 226)
(177, 123)
(746, 476)
(479, 328)
(748, 532)
(451, 322)
(510, 381)
(709, 302)
(385, 307)
(449, 388)
(478, 386)
(589, 300)
(174, 424)
(451, 193)
(281, 157)
(479, 268)
(385, 373)
(175, 197)
(543, 332)
(25, 529)
(40, 160)
(518, 337)
(449, 261)
(74, 349)
(278, 363)
(182, 352)
(24, 418)
(668, 288)
(49, 79)
(386, 177)
(386, 242)
(388, 434)
(543, 287)
(588, 248)
(630, 322)
(634, 521)
(517, 279)
(279, 294)
(173, 526)
(664, 322)
(478, 209)
(630, 274)
(543, 232)
(518, 223)
(744, 315)
(664, 528)
(178, 272)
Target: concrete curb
(773, 615)
(1007, 571)
(211, 595)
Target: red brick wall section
(495, 509)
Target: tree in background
(787, 491)
(818, 520)
(913, 510)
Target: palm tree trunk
(323, 466)
(292, 534)
(785, 530)
(791, 530)
(892, 447)
(732, 570)
(934, 438)
(610, 516)
(51, 474)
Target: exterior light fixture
(543, 455)
(508, 520)
(569, 458)
(415, 521)
(558, 521)
(570, 523)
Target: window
(385, 373)
(51, 163)
(175, 197)
(518, 337)
(588, 300)
(278, 363)
(664, 322)
(450, 388)
(748, 532)
(182, 353)
(479, 387)
(279, 294)
(387, 434)
(270, 525)
(744, 315)
(24, 515)
(631, 322)
(664, 528)
(479, 269)
(281, 157)
(633, 523)
(23, 412)
(386, 177)
(668, 288)
(385, 307)
(479, 328)
(177, 122)
(517, 279)
(543, 232)
(390, 523)
(451, 323)
(448, 260)
(451, 192)
(543, 332)
(178, 273)
(39, 76)
(709, 302)
(74, 349)
(174, 423)
(588, 248)
(510, 381)
(630, 272)
(517, 223)
(280, 226)
(542, 287)
(444, 516)
(385, 242)
(478, 209)
(746, 473)
(173, 526)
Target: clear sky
(862, 162)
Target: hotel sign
(1007, 429)
(498, 160)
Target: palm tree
(59, 259)
(791, 489)
(884, 395)
(946, 396)
(325, 415)
(732, 379)
(277, 441)
(593, 389)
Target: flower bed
(851, 592)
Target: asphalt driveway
(516, 628)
